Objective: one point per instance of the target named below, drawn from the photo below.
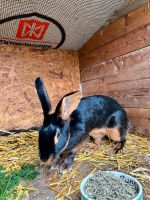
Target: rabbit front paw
(63, 163)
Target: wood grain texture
(19, 66)
(130, 93)
(137, 39)
(140, 126)
(138, 112)
(140, 120)
(119, 28)
(131, 66)
(116, 62)
(127, 79)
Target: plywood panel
(19, 66)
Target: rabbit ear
(43, 96)
(68, 104)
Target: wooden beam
(117, 29)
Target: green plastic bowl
(124, 176)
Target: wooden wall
(19, 66)
(116, 62)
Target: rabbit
(74, 120)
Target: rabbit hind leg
(96, 136)
(118, 136)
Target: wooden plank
(140, 123)
(102, 70)
(128, 8)
(137, 39)
(134, 93)
(129, 73)
(140, 120)
(131, 66)
(140, 126)
(122, 26)
(138, 113)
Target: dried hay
(19, 149)
(135, 161)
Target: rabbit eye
(57, 135)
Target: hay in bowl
(104, 185)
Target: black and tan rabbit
(74, 120)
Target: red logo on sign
(32, 29)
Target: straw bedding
(21, 148)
